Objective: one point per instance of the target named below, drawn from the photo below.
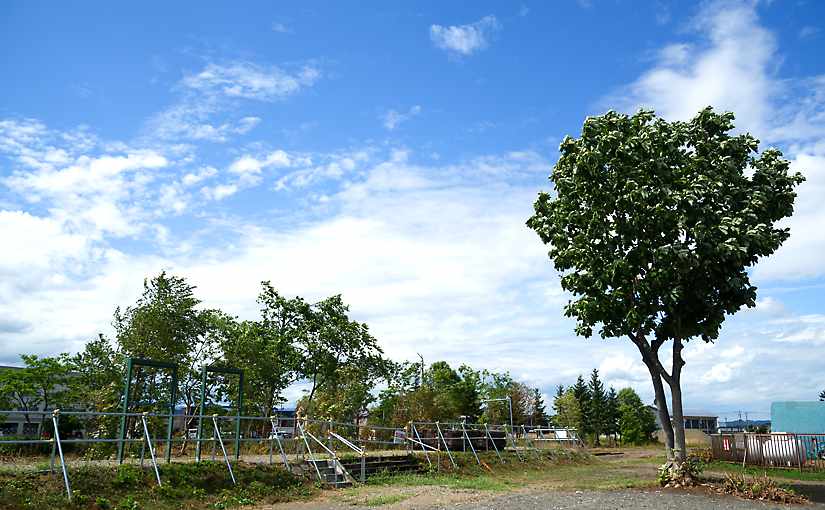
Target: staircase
(332, 472)
(373, 465)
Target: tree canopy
(653, 226)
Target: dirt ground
(624, 481)
(432, 498)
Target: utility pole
(421, 383)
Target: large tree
(167, 323)
(653, 226)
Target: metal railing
(253, 437)
(805, 452)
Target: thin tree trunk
(650, 357)
(680, 447)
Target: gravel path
(616, 500)
(436, 498)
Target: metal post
(467, 437)
(513, 440)
(238, 420)
(490, 437)
(148, 439)
(329, 435)
(309, 452)
(142, 453)
(173, 398)
(126, 390)
(529, 442)
(55, 414)
(510, 406)
(220, 440)
(446, 447)
(199, 436)
(280, 446)
(54, 445)
(271, 438)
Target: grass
(127, 487)
(785, 474)
(555, 468)
(385, 499)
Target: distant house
(798, 417)
(733, 426)
(703, 421)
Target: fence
(805, 452)
(101, 438)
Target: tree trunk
(650, 357)
(661, 409)
(679, 446)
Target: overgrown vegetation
(762, 488)
(194, 486)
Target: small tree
(40, 383)
(568, 412)
(538, 414)
(636, 420)
(653, 225)
(612, 419)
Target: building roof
(693, 413)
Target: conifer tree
(597, 414)
(582, 395)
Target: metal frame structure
(131, 364)
(205, 370)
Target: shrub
(684, 474)
(763, 488)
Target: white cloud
(392, 119)
(464, 40)
(211, 92)
(249, 164)
(281, 28)
(734, 70)
(808, 32)
(204, 173)
(735, 67)
(250, 81)
(219, 191)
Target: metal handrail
(347, 443)
(309, 450)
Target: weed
(384, 499)
(762, 488)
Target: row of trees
(442, 393)
(293, 340)
(596, 412)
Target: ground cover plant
(189, 485)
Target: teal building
(798, 417)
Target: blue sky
(390, 152)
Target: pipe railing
(416, 437)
